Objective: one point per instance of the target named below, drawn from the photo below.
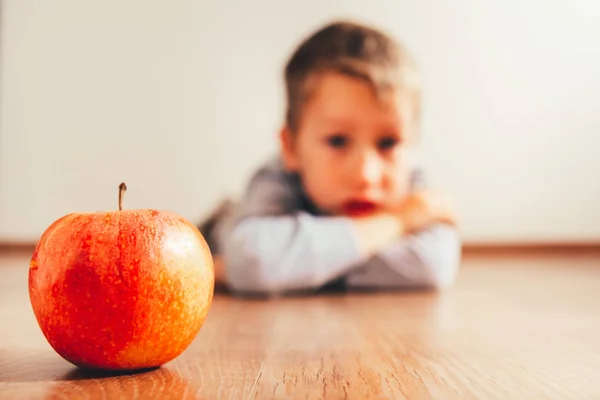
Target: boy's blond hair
(355, 50)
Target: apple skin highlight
(121, 290)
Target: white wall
(181, 99)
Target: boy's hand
(415, 213)
(424, 208)
(376, 231)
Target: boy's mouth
(359, 208)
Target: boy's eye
(387, 143)
(337, 141)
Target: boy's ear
(288, 149)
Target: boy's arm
(302, 252)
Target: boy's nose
(370, 170)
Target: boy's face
(351, 149)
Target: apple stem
(122, 189)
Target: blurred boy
(343, 202)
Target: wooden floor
(521, 326)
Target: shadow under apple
(78, 373)
(155, 383)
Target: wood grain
(516, 326)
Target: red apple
(121, 290)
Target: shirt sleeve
(300, 252)
(428, 259)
